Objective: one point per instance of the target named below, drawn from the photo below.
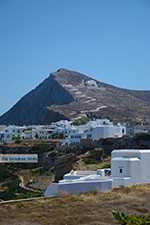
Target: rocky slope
(61, 96)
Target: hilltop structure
(128, 167)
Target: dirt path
(27, 188)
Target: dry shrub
(141, 210)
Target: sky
(108, 40)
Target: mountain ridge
(61, 96)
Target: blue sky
(108, 40)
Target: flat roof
(132, 150)
(125, 159)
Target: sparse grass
(91, 161)
(19, 205)
(86, 208)
(142, 210)
(37, 171)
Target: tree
(36, 135)
(61, 135)
(109, 118)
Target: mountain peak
(62, 70)
(65, 93)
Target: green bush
(16, 137)
(37, 171)
(109, 118)
(18, 141)
(80, 121)
(143, 137)
(107, 141)
(29, 195)
(91, 161)
(61, 135)
(53, 156)
(106, 166)
(130, 220)
(104, 155)
(4, 173)
(9, 194)
(51, 148)
(5, 143)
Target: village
(69, 133)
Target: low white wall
(78, 187)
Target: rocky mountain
(66, 94)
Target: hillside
(87, 208)
(61, 96)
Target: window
(89, 136)
(120, 170)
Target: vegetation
(61, 135)
(29, 195)
(53, 156)
(17, 139)
(11, 190)
(109, 118)
(104, 155)
(92, 116)
(91, 161)
(123, 219)
(36, 135)
(81, 121)
(5, 143)
(106, 166)
(78, 112)
(37, 171)
(57, 136)
(37, 147)
(86, 208)
(4, 173)
(143, 137)
(107, 141)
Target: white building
(128, 167)
(97, 132)
(41, 132)
(5, 137)
(92, 131)
(91, 83)
(7, 132)
(132, 131)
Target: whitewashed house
(97, 132)
(5, 137)
(74, 134)
(93, 130)
(128, 167)
(40, 132)
(7, 132)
